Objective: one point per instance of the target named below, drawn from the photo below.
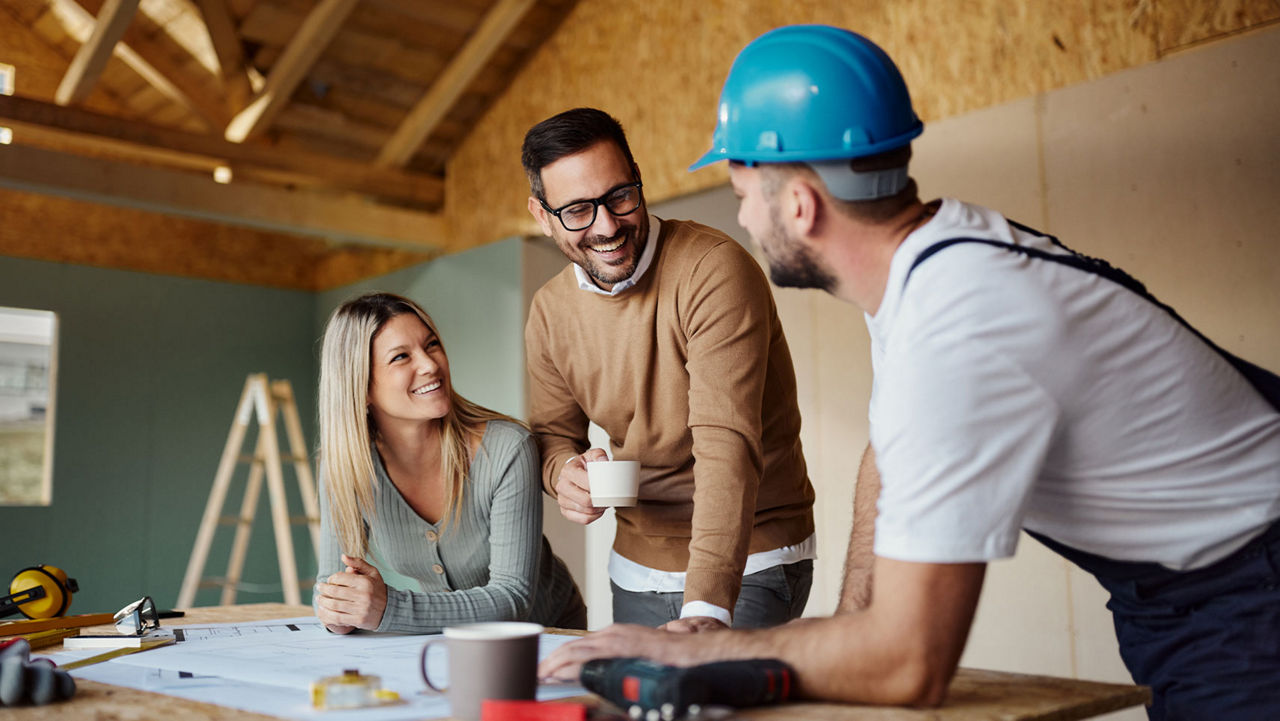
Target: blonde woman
(447, 492)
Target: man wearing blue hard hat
(1018, 385)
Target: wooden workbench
(974, 694)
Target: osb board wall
(56, 229)
(658, 67)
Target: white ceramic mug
(497, 660)
(613, 483)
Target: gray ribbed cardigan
(491, 564)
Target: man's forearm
(820, 652)
(855, 591)
(903, 651)
(726, 481)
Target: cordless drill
(672, 690)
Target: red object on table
(496, 710)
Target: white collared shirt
(632, 576)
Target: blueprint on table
(267, 667)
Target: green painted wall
(149, 372)
(150, 369)
(475, 298)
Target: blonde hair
(346, 433)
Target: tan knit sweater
(689, 373)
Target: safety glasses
(138, 617)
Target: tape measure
(350, 690)
(41, 591)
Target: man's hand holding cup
(590, 483)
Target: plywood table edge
(971, 687)
(106, 702)
(1118, 696)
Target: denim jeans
(769, 598)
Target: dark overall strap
(1263, 380)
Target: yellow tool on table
(13, 628)
(42, 593)
(350, 690)
(41, 639)
(138, 626)
(145, 645)
(27, 680)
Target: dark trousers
(1206, 641)
(573, 615)
(769, 598)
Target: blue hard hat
(805, 93)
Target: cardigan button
(437, 568)
(432, 536)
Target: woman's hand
(355, 598)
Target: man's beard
(612, 274)
(791, 264)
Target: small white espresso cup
(613, 483)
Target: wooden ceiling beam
(331, 126)
(41, 60)
(299, 55)
(200, 89)
(174, 147)
(226, 45)
(452, 82)
(336, 218)
(161, 83)
(74, 17)
(424, 19)
(92, 57)
(267, 23)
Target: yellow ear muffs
(39, 592)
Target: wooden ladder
(261, 398)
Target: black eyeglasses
(579, 215)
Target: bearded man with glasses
(664, 333)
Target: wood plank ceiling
(335, 119)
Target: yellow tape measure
(350, 690)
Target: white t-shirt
(1017, 392)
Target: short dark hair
(572, 131)
(876, 210)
